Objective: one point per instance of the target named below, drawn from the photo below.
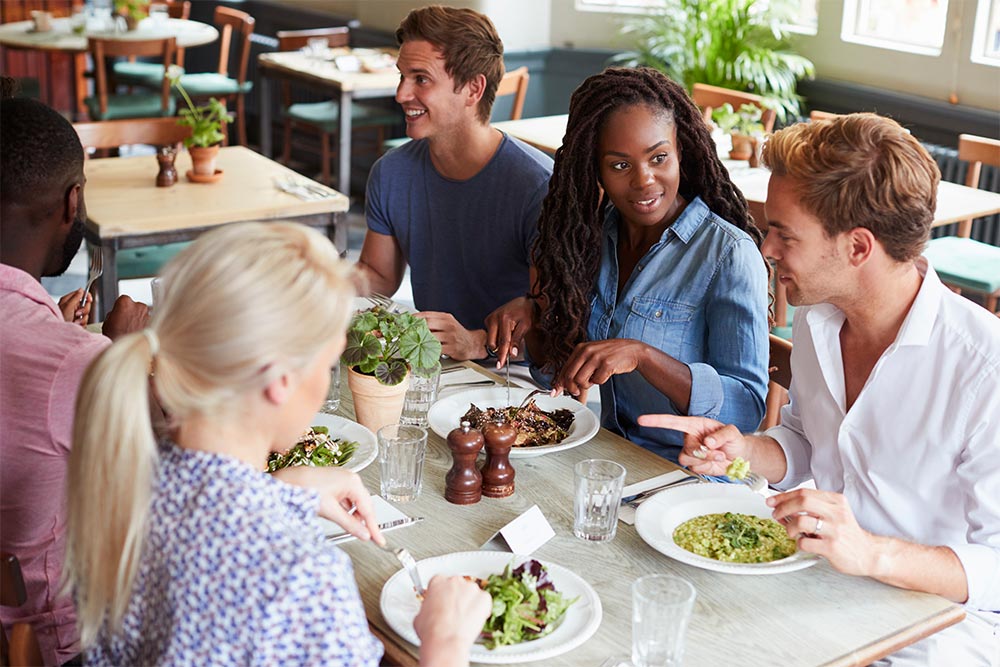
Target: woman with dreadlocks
(649, 278)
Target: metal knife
(388, 525)
(642, 495)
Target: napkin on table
(384, 513)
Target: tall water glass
(401, 450)
(159, 14)
(332, 402)
(598, 490)
(661, 610)
(422, 393)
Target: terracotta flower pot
(203, 159)
(742, 147)
(375, 404)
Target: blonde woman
(186, 553)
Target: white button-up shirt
(918, 454)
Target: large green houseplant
(737, 44)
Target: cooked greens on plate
(534, 426)
(315, 448)
(735, 538)
(526, 605)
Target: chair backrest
(977, 151)
(711, 97)
(110, 48)
(177, 9)
(21, 648)
(115, 133)
(515, 83)
(229, 21)
(780, 370)
(815, 114)
(291, 40)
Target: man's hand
(595, 362)
(69, 305)
(339, 490)
(506, 326)
(127, 316)
(822, 523)
(709, 446)
(456, 341)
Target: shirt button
(658, 314)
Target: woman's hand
(71, 310)
(595, 362)
(339, 490)
(450, 619)
(506, 326)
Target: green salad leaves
(314, 448)
(526, 605)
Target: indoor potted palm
(743, 126)
(206, 130)
(382, 347)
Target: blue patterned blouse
(235, 572)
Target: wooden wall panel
(54, 72)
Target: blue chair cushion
(389, 144)
(206, 84)
(137, 105)
(139, 74)
(965, 263)
(326, 115)
(142, 262)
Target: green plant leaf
(390, 372)
(419, 346)
(359, 347)
(365, 321)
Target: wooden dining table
(813, 616)
(323, 74)
(125, 209)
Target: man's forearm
(767, 458)
(375, 281)
(917, 567)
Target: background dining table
(813, 616)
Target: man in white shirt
(895, 396)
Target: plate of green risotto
(721, 527)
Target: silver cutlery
(648, 493)
(471, 383)
(388, 525)
(96, 269)
(755, 483)
(409, 564)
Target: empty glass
(661, 610)
(421, 395)
(158, 13)
(598, 491)
(401, 450)
(332, 402)
(317, 46)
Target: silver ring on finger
(819, 526)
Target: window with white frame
(618, 6)
(986, 36)
(806, 19)
(916, 26)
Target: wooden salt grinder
(464, 483)
(498, 474)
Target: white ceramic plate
(345, 429)
(399, 605)
(657, 518)
(446, 415)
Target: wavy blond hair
(861, 170)
(242, 305)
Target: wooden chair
(710, 97)
(145, 261)
(514, 82)
(780, 369)
(962, 263)
(105, 106)
(132, 72)
(324, 117)
(822, 115)
(21, 648)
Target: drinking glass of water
(421, 395)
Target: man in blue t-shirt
(461, 201)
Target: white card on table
(523, 535)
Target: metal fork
(377, 299)
(409, 564)
(755, 482)
(96, 269)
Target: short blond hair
(240, 306)
(861, 170)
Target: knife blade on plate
(388, 525)
(642, 495)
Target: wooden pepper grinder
(464, 483)
(166, 155)
(498, 474)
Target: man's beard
(72, 244)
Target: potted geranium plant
(382, 347)
(206, 128)
(743, 126)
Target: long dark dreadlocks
(567, 251)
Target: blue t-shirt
(468, 243)
(700, 295)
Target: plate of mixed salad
(540, 609)
(721, 527)
(330, 440)
(561, 423)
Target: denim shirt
(700, 295)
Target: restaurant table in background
(20, 35)
(125, 209)
(814, 616)
(322, 73)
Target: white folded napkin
(384, 513)
(626, 514)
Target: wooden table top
(61, 38)
(324, 71)
(955, 202)
(814, 616)
(123, 200)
